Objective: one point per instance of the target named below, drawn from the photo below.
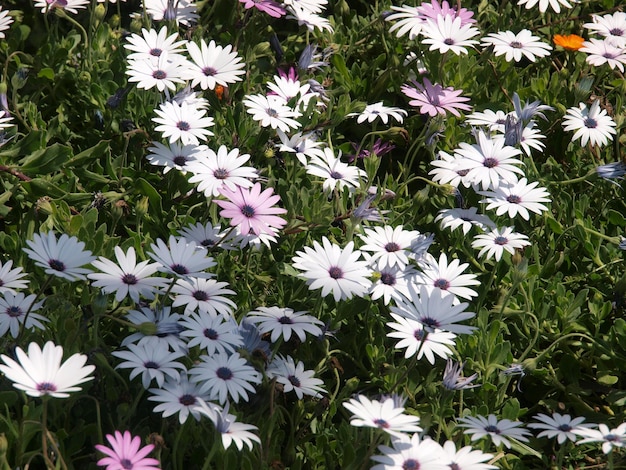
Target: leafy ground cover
(312, 234)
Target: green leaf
(48, 160)
(46, 73)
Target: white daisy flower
(490, 162)
(466, 458)
(410, 18)
(464, 218)
(173, 155)
(40, 372)
(206, 236)
(178, 397)
(412, 452)
(385, 415)
(449, 277)
(303, 145)
(517, 198)
(127, 278)
(213, 170)
(213, 65)
(496, 242)
(336, 173)
(182, 12)
(610, 26)
(448, 170)
(294, 378)
(493, 120)
(309, 19)
(561, 427)
(159, 326)
(500, 431)
(212, 333)
(336, 270)
(203, 295)
(180, 258)
(449, 34)
(152, 361)
(515, 46)
(604, 52)
(5, 22)
(284, 322)
(225, 376)
(62, 258)
(228, 427)
(182, 122)
(389, 246)
(14, 309)
(417, 340)
(11, 279)
(610, 438)
(151, 44)
(159, 72)
(544, 4)
(379, 110)
(272, 111)
(591, 124)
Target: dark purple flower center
(492, 429)
(616, 32)
(462, 172)
(448, 41)
(335, 272)
(564, 428)
(430, 322)
(207, 242)
(454, 466)
(210, 333)
(200, 295)
(381, 423)
(126, 464)
(410, 464)
(156, 52)
(224, 373)
(46, 387)
(612, 438)
(285, 320)
(187, 400)
(150, 365)
(159, 74)
(336, 175)
(179, 269)
(247, 210)
(14, 311)
(391, 247)
(590, 123)
(180, 160)
(129, 279)
(56, 265)
(388, 279)
(221, 174)
(294, 380)
(501, 240)
(609, 55)
(419, 335)
(513, 199)
(183, 125)
(516, 45)
(490, 162)
(441, 284)
(1, 282)
(271, 112)
(209, 71)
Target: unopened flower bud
(147, 328)
(100, 12)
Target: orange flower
(571, 42)
(219, 91)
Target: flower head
(183, 122)
(11, 278)
(126, 453)
(435, 99)
(452, 378)
(15, 308)
(447, 33)
(570, 42)
(544, 4)
(294, 378)
(516, 46)
(517, 198)
(229, 428)
(41, 373)
(212, 65)
(272, 8)
(591, 124)
(563, 427)
(284, 322)
(252, 210)
(127, 278)
(336, 173)
(63, 257)
(336, 270)
(411, 452)
(379, 110)
(385, 415)
(496, 242)
(500, 431)
(610, 438)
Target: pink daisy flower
(435, 99)
(125, 453)
(434, 9)
(252, 209)
(274, 9)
